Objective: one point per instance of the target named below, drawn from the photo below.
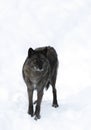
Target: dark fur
(39, 71)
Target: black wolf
(40, 71)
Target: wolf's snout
(38, 69)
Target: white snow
(65, 25)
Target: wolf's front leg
(38, 105)
(30, 98)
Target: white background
(65, 25)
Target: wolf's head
(37, 60)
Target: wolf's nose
(40, 67)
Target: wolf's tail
(47, 86)
(35, 102)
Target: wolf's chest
(34, 86)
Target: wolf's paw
(55, 105)
(37, 117)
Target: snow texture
(65, 25)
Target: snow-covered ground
(65, 25)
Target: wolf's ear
(30, 52)
(45, 51)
